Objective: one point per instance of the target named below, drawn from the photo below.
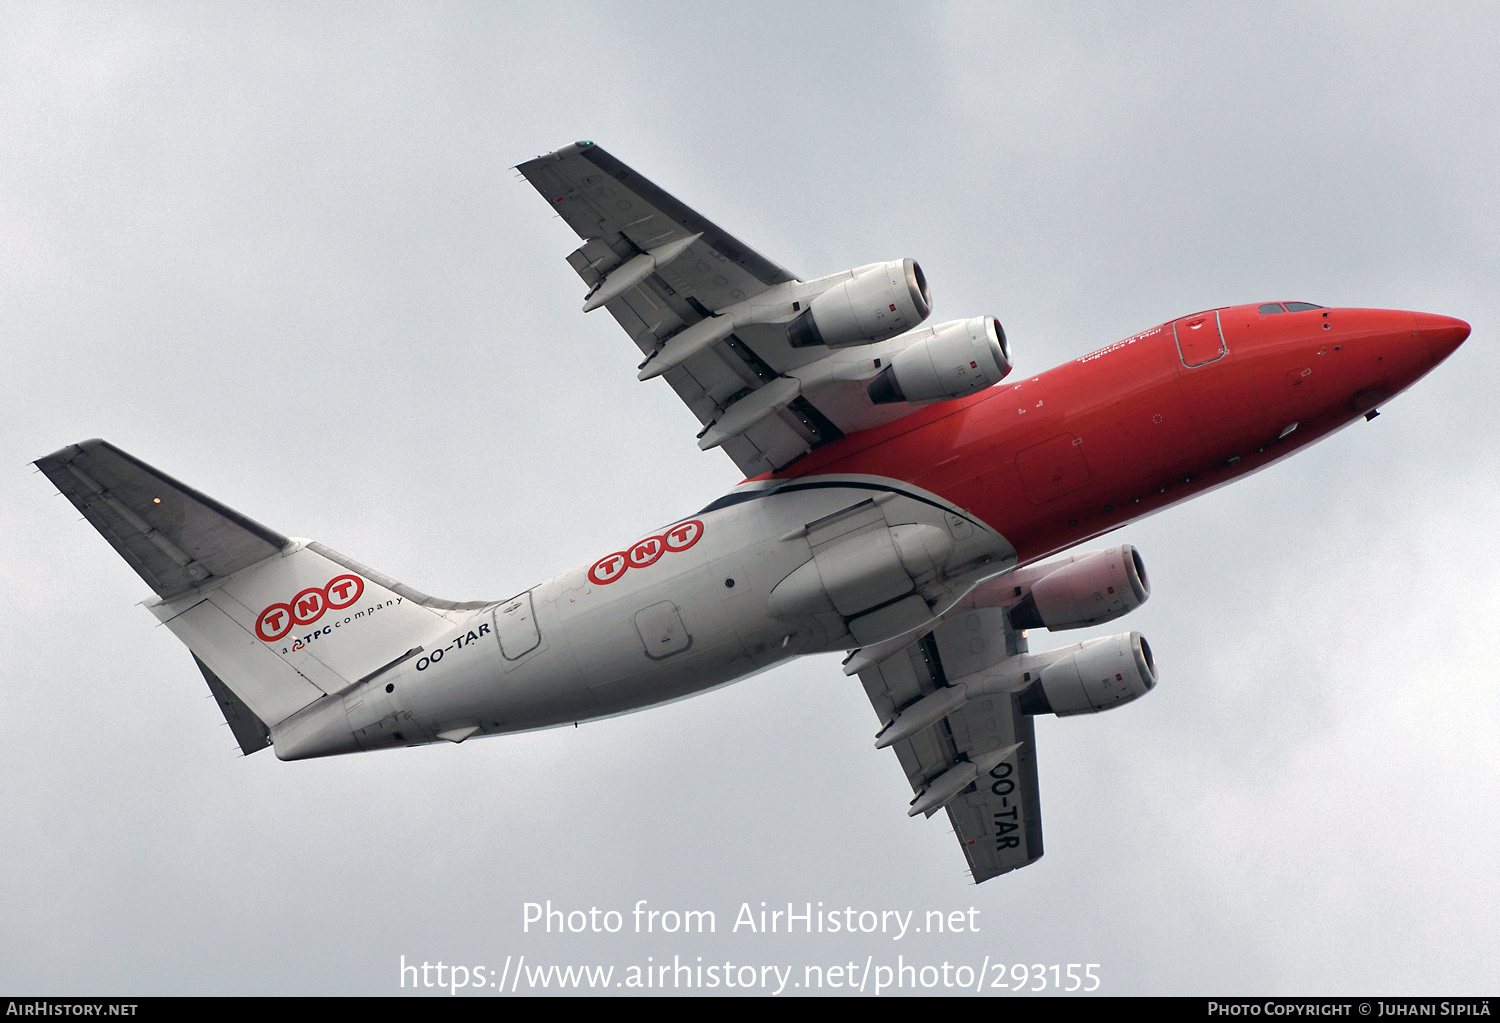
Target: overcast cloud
(280, 253)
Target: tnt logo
(608, 568)
(646, 553)
(680, 538)
(308, 606)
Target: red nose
(1443, 334)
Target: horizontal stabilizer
(173, 536)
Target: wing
(996, 816)
(664, 272)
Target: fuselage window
(1300, 307)
(1271, 307)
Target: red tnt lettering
(646, 552)
(683, 536)
(609, 568)
(274, 622)
(342, 591)
(308, 606)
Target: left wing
(723, 324)
(985, 750)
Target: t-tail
(274, 623)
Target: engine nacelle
(877, 303)
(1089, 590)
(1100, 674)
(958, 359)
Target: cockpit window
(1299, 307)
(1271, 307)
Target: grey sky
(280, 254)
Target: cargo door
(1200, 338)
(661, 630)
(1052, 468)
(516, 628)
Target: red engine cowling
(1100, 674)
(1089, 590)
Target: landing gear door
(1200, 340)
(516, 629)
(662, 631)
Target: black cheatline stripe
(786, 488)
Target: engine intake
(877, 303)
(1100, 674)
(960, 358)
(1089, 590)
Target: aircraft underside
(898, 507)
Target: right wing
(997, 818)
(669, 277)
(620, 214)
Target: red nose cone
(1443, 334)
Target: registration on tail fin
(274, 623)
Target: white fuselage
(696, 611)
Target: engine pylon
(941, 790)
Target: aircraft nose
(1443, 334)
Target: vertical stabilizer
(275, 624)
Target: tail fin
(273, 623)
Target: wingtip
(69, 452)
(558, 154)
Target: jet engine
(1085, 678)
(958, 359)
(1089, 590)
(876, 303)
(1099, 674)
